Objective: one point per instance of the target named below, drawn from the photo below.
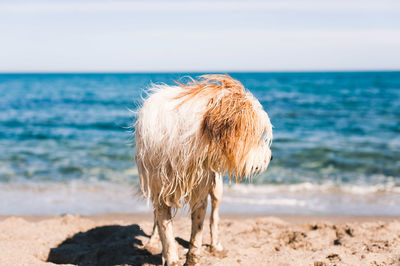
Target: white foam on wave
(50, 198)
(388, 187)
(274, 201)
(308, 198)
(94, 197)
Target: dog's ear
(230, 129)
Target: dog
(188, 137)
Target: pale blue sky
(286, 35)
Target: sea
(67, 144)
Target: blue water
(332, 131)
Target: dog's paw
(218, 251)
(217, 247)
(154, 247)
(170, 262)
(174, 263)
(192, 259)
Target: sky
(204, 36)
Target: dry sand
(116, 239)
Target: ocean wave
(257, 201)
(74, 196)
(327, 187)
(95, 197)
(112, 125)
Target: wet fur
(188, 136)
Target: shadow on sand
(105, 245)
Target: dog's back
(166, 139)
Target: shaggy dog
(187, 137)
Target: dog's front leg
(216, 197)
(164, 222)
(196, 238)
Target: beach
(69, 186)
(119, 239)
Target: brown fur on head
(230, 126)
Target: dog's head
(236, 132)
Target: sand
(117, 239)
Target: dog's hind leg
(154, 233)
(164, 222)
(152, 243)
(196, 238)
(216, 196)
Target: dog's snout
(272, 157)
